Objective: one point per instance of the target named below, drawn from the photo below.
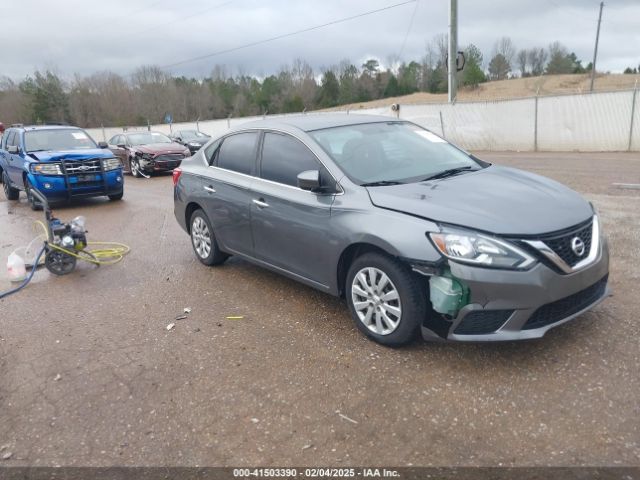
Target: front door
(291, 227)
(15, 161)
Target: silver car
(416, 234)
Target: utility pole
(595, 50)
(453, 49)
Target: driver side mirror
(103, 145)
(121, 145)
(14, 149)
(309, 180)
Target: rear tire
(387, 301)
(204, 241)
(10, 192)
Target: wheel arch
(188, 212)
(352, 252)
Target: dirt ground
(513, 88)
(90, 376)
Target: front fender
(396, 233)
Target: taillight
(176, 175)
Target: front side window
(284, 157)
(390, 152)
(148, 138)
(238, 153)
(11, 136)
(57, 139)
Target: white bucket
(16, 269)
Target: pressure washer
(65, 244)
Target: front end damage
(475, 304)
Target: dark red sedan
(143, 153)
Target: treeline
(149, 94)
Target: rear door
(291, 226)
(5, 157)
(227, 195)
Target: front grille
(82, 167)
(565, 307)
(481, 322)
(84, 185)
(169, 157)
(561, 244)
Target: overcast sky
(85, 36)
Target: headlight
(146, 156)
(111, 164)
(481, 250)
(46, 168)
(193, 144)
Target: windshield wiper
(381, 183)
(448, 173)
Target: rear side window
(284, 157)
(238, 153)
(211, 151)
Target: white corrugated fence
(601, 121)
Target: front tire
(116, 197)
(10, 192)
(387, 301)
(134, 167)
(204, 241)
(33, 203)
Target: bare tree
(506, 48)
(523, 61)
(537, 58)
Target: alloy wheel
(201, 237)
(376, 301)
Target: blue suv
(62, 162)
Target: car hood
(157, 148)
(496, 199)
(70, 155)
(199, 141)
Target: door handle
(261, 203)
(210, 189)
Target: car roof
(140, 131)
(29, 128)
(317, 121)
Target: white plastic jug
(16, 269)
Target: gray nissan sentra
(416, 234)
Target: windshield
(390, 152)
(147, 138)
(57, 139)
(192, 134)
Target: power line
(406, 35)
(147, 7)
(187, 16)
(290, 34)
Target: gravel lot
(90, 376)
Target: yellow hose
(113, 253)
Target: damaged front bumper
(161, 163)
(517, 305)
